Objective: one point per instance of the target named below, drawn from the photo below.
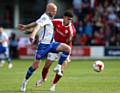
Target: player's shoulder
(44, 17)
(58, 20)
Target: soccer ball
(98, 66)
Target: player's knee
(64, 65)
(62, 72)
(67, 48)
(47, 64)
(62, 68)
(35, 65)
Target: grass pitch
(79, 77)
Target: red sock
(56, 78)
(44, 73)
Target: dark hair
(68, 14)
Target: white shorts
(55, 56)
(5, 54)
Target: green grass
(79, 77)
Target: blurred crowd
(16, 43)
(97, 22)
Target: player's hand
(31, 39)
(21, 27)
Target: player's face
(67, 20)
(52, 12)
(51, 9)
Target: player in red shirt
(64, 32)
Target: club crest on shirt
(66, 31)
(58, 25)
(44, 18)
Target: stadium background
(97, 23)
(98, 37)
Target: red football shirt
(63, 33)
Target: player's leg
(50, 59)
(66, 50)
(58, 77)
(45, 71)
(30, 72)
(41, 52)
(2, 60)
(2, 56)
(10, 65)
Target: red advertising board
(80, 51)
(76, 52)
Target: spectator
(13, 46)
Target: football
(98, 66)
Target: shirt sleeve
(72, 32)
(72, 35)
(42, 21)
(56, 22)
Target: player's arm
(34, 32)
(71, 34)
(41, 22)
(28, 27)
(56, 22)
